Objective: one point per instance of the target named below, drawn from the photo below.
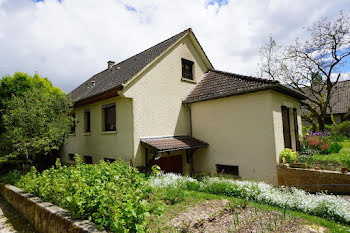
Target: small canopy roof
(165, 144)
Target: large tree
(34, 114)
(312, 66)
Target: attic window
(187, 69)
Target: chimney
(110, 64)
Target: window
(109, 116)
(72, 130)
(286, 128)
(88, 159)
(87, 121)
(227, 169)
(109, 160)
(187, 71)
(296, 128)
(71, 157)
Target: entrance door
(169, 164)
(286, 128)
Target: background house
(340, 105)
(168, 106)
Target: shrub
(331, 207)
(113, 195)
(320, 142)
(11, 178)
(334, 148)
(288, 156)
(343, 129)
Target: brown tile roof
(163, 144)
(123, 71)
(217, 84)
(340, 101)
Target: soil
(221, 216)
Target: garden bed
(44, 216)
(334, 162)
(200, 212)
(322, 205)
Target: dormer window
(187, 69)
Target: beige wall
(278, 101)
(241, 131)
(99, 144)
(157, 96)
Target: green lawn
(332, 161)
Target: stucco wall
(279, 100)
(157, 96)
(239, 130)
(244, 131)
(99, 144)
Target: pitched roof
(123, 71)
(217, 84)
(340, 101)
(163, 144)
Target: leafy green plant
(334, 148)
(113, 195)
(288, 156)
(11, 178)
(34, 116)
(171, 194)
(343, 129)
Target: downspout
(189, 119)
(190, 152)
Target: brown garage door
(169, 163)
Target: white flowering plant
(321, 204)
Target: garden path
(11, 221)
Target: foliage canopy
(34, 115)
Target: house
(168, 106)
(340, 105)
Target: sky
(68, 41)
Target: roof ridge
(247, 77)
(188, 29)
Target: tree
(313, 66)
(35, 116)
(17, 85)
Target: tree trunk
(321, 124)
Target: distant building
(340, 105)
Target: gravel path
(12, 221)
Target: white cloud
(70, 41)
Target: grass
(332, 161)
(193, 198)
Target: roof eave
(276, 87)
(119, 88)
(288, 91)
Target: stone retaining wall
(320, 180)
(44, 216)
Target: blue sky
(70, 40)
